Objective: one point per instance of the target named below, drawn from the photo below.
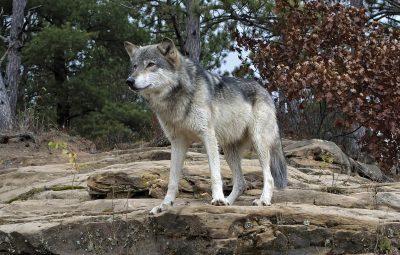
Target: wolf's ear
(168, 49)
(130, 48)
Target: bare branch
(392, 19)
(209, 23)
(5, 39)
(345, 134)
(2, 85)
(394, 3)
(3, 57)
(246, 20)
(383, 14)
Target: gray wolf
(192, 104)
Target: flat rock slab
(123, 226)
(323, 210)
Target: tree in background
(71, 71)
(189, 24)
(9, 84)
(74, 70)
(74, 67)
(337, 61)
(201, 29)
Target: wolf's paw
(220, 202)
(259, 202)
(161, 208)
(231, 200)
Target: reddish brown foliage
(332, 52)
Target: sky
(230, 62)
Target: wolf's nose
(131, 82)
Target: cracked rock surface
(324, 210)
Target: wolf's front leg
(211, 145)
(179, 148)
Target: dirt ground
(19, 152)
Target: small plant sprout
(72, 156)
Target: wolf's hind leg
(263, 136)
(233, 158)
(268, 182)
(179, 148)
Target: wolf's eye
(150, 64)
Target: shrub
(333, 55)
(115, 123)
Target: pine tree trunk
(192, 45)
(5, 109)
(14, 55)
(9, 85)
(191, 49)
(60, 73)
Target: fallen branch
(4, 138)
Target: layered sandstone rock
(325, 210)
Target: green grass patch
(385, 245)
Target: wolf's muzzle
(131, 83)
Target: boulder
(118, 185)
(370, 171)
(326, 153)
(322, 154)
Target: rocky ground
(333, 205)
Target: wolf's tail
(278, 165)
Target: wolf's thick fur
(195, 105)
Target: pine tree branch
(383, 14)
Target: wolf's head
(153, 67)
